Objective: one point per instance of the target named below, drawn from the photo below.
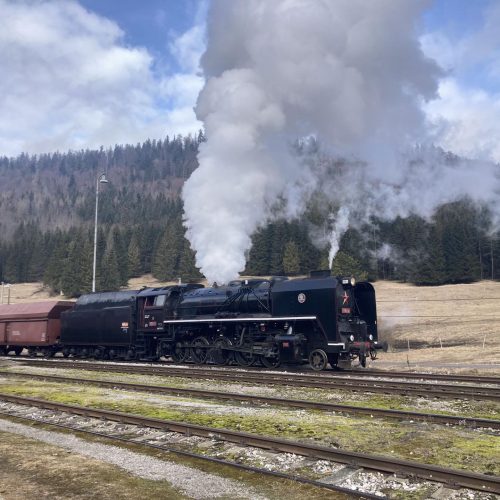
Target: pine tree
(291, 260)
(167, 254)
(121, 255)
(324, 261)
(279, 236)
(345, 265)
(110, 278)
(430, 269)
(70, 280)
(56, 263)
(258, 257)
(134, 257)
(456, 223)
(187, 267)
(86, 263)
(101, 246)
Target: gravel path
(190, 481)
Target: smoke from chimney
(349, 73)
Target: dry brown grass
(465, 315)
(29, 292)
(443, 324)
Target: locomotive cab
(357, 319)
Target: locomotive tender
(316, 320)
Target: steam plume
(349, 72)
(340, 226)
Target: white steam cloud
(352, 75)
(349, 72)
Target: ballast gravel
(192, 482)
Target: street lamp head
(102, 179)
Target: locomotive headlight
(370, 337)
(353, 281)
(351, 338)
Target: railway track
(445, 377)
(481, 482)
(348, 373)
(350, 493)
(438, 390)
(293, 403)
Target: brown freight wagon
(35, 326)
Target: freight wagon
(35, 327)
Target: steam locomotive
(318, 320)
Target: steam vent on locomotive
(316, 320)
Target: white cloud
(189, 47)
(464, 117)
(466, 121)
(69, 82)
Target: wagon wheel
(199, 350)
(271, 361)
(49, 352)
(318, 359)
(244, 358)
(180, 352)
(18, 350)
(218, 355)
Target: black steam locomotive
(316, 320)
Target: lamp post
(100, 180)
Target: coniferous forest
(47, 205)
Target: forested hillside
(47, 207)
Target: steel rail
(472, 480)
(473, 379)
(273, 378)
(294, 403)
(341, 373)
(218, 461)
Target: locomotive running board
(256, 319)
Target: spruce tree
(110, 278)
(167, 254)
(86, 262)
(258, 257)
(134, 256)
(279, 236)
(121, 255)
(70, 280)
(187, 265)
(430, 269)
(291, 260)
(345, 265)
(456, 223)
(56, 263)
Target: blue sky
(85, 73)
(151, 23)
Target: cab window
(160, 300)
